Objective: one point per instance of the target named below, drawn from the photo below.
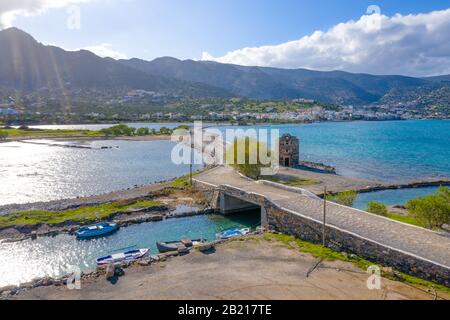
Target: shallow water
(56, 256)
(392, 197)
(33, 173)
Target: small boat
(176, 245)
(232, 233)
(123, 256)
(97, 230)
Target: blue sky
(187, 28)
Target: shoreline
(88, 138)
(291, 272)
(143, 190)
(167, 199)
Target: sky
(379, 36)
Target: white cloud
(417, 45)
(106, 50)
(11, 9)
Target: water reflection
(52, 256)
(35, 173)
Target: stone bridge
(406, 248)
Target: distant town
(89, 106)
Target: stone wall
(309, 230)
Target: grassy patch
(17, 133)
(85, 214)
(404, 219)
(182, 182)
(319, 251)
(292, 182)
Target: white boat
(232, 233)
(123, 256)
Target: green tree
(432, 211)
(346, 198)
(165, 131)
(119, 130)
(183, 127)
(143, 131)
(248, 150)
(377, 208)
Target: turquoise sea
(387, 150)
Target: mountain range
(27, 65)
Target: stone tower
(289, 151)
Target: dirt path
(251, 269)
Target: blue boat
(97, 230)
(232, 233)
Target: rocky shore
(289, 273)
(109, 272)
(175, 203)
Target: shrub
(119, 130)
(432, 211)
(249, 167)
(346, 198)
(143, 131)
(377, 208)
(165, 131)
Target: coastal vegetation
(25, 132)
(346, 198)
(291, 182)
(328, 254)
(245, 156)
(432, 211)
(404, 218)
(119, 130)
(377, 208)
(83, 214)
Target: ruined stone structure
(289, 151)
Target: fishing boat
(176, 245)
(123, 256)
(97, 230)
(232, 233)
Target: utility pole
(324, 216)
(191, 160)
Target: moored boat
(123, 256)
(232, 233)
(97, 230)
(176, 245)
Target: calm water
(389, 150)
(392, 197)
(35, 173)
(150, 125)
(52, 256)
